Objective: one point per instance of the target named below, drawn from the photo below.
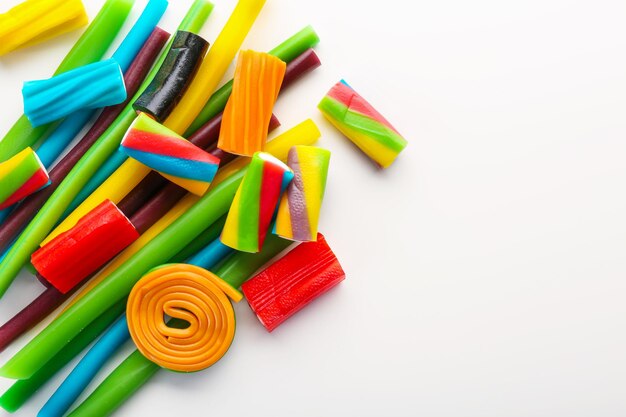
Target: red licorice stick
(154, 192)
(74, 255)
(133, 77)
(292, 282)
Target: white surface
(486, 267)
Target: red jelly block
(292, 282)
(74, 255)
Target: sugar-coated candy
(299, 209)
(173, 156)
(257, 81)
(21, 176)
(74, 255)
(255, 203)
(188, 293)
(174, 76)
(353, 116)
(92, 86)
(292, 282)
(35, 21)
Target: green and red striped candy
(21, 176)
(255, 203)
(353, 116)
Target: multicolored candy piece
(299, 209)
(292, 282)
(255, 202)
(353, 116)
(257, 81)
(174, 157)
(91, 86)
(21, 176)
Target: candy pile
(169, 204)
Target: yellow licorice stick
(210, 73)
(35, 21)
(306, 133)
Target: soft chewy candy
(362, 124)
(174, 76)
(174, 157)
(74, 255)
(21, 176)
(255, 203)
(35, 21)
(193, 295)
(292, 282)
(299, 209)
(92, 86)
(257, 81)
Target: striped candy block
(299, 209)
(174, 157)
(353, 116)
(257, 81)
(21, 176)
(255, 202)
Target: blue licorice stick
(86, 370)
(209, 256)
(111, 341)
(54, 145)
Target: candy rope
(188, 293)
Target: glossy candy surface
(174, 76)
(353, 116)
(21, 176)
(255, 203)
(299, 209)
(35, 21)
(174, 157)
(257, 81)
(188, 293)
(92, 86)
(74, 255)
(292, 282)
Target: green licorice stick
(136, 370)
(286, 51)
(117, 286)
(90, 47)
(200, 242)
(53, 209)
(24, 389)
(239, 267)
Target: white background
(485, 268)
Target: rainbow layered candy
(353, 116)
(174, 157)
(299, 209)
(255, 202)
(21, 176)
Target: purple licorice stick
(133, 78)
(149, 201)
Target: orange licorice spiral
(188, 293)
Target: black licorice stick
(174, 76)
(205, 137)
(150, 200)
(27, 209)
